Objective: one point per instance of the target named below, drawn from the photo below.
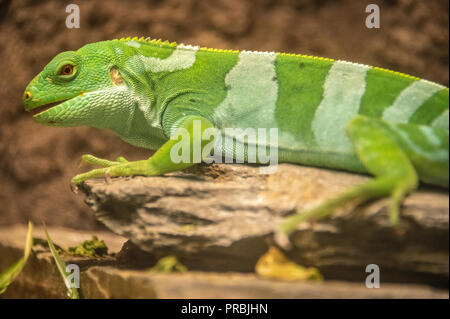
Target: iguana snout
(69, 90)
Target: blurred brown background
(37, 162)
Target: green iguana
(327, 113)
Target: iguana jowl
(328, 113)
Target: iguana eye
(66, 70)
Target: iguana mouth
(43, 108)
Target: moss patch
(90, 248)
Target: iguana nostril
(27, 95)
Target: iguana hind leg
(384, 158)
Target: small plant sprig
(8, 276)
(72, 292)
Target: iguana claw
(120, 167)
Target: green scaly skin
(328, 113)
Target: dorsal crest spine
(174, 44)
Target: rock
(101, 278)
(40, 278)
(107, 282)
(223, 217)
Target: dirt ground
(37, 162)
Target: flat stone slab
(223, 217)
(101, 278)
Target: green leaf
(72, 292)
(8, 276)
(275, 265)
(168, 264)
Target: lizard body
(327, 113)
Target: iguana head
(75, 88)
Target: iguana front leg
(161, 162)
